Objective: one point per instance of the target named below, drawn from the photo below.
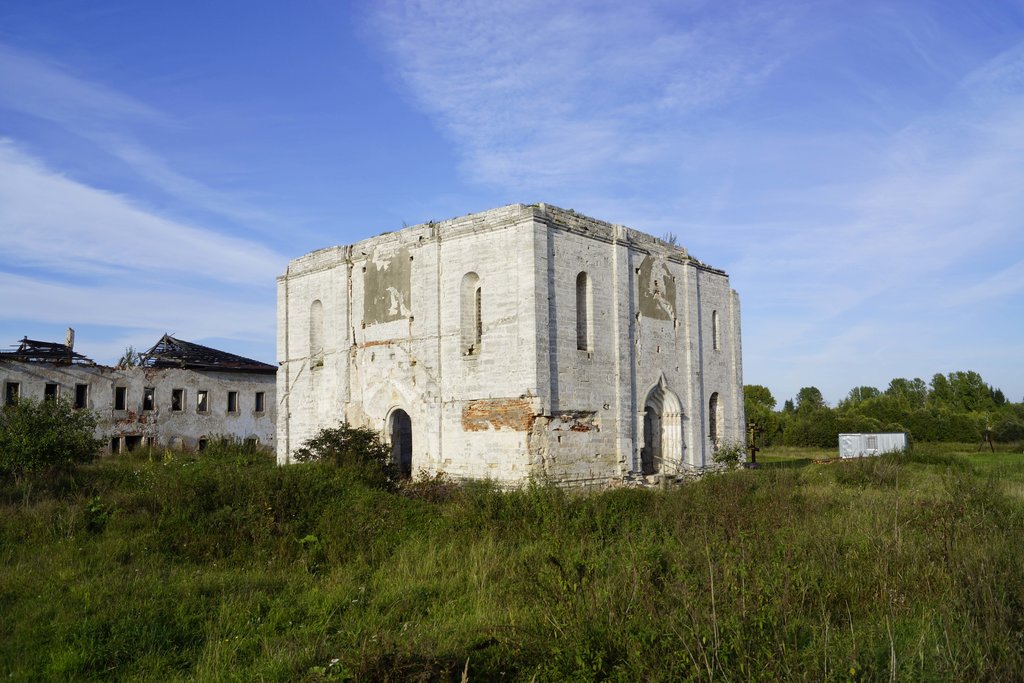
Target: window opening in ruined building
(261, 401)
(120, 398)
(201, 444)
(715, 419)
(583, 312)
(81, 395)
(12, 392)
(51, 392)
(149, 442)
(316, 334)
(115, 444)
(232, 401)
(471, 321)
(202, 401)
(251, 443)
(177, 400)
(132, 442)
(149, 398)
(716, 340)
(401, 442)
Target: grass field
(229, 568)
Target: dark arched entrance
(401, 442)
(649, 453)
(662, 432)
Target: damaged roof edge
(171, 352)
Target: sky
(856, 168)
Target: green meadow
(227, 567)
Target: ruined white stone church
(521, 341)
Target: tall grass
(227, 567)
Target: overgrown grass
(228, 567)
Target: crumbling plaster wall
(529, 402)
(650, 313)
(414, 361)
(160, 424)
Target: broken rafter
(34, 351)
(170, 352)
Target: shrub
(730, 454)
(41, 435)
(358, 449)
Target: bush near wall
(41, 435)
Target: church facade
(524, 341)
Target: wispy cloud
(54, 92)
(48, 90)
(531, 101)
(63, 226)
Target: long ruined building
(181, 395)
(517, 342)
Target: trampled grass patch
(229, 567)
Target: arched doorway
(401, 442)
(650, 451)
(662, 432)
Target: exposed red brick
(498, 413)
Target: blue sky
(857, 168)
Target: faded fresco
(386, 288)
(657, 289)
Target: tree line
(956, 407)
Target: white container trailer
(860, 445)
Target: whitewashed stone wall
(526, 401)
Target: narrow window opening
(316, 334)
(81, 395)
(202, 401)
(51, 392)
(201, 444)
(471, 315)
(149, 398)
(177, 400)
(716, 338)
(232, 401)
(120, 398)
(583, 312)
(261, 401)
(479, 319)
(115, 444)
(714, 419)
(12, 392)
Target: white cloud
(48, 90)
(53, 92)
(189, 311)
(531, 102)
(55, 223)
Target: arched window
(583, 312)
(716, 339)
(316, 333)
(715, 419)
(471, 322)
(401, 442)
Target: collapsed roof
(34, 351)
(170, 352)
